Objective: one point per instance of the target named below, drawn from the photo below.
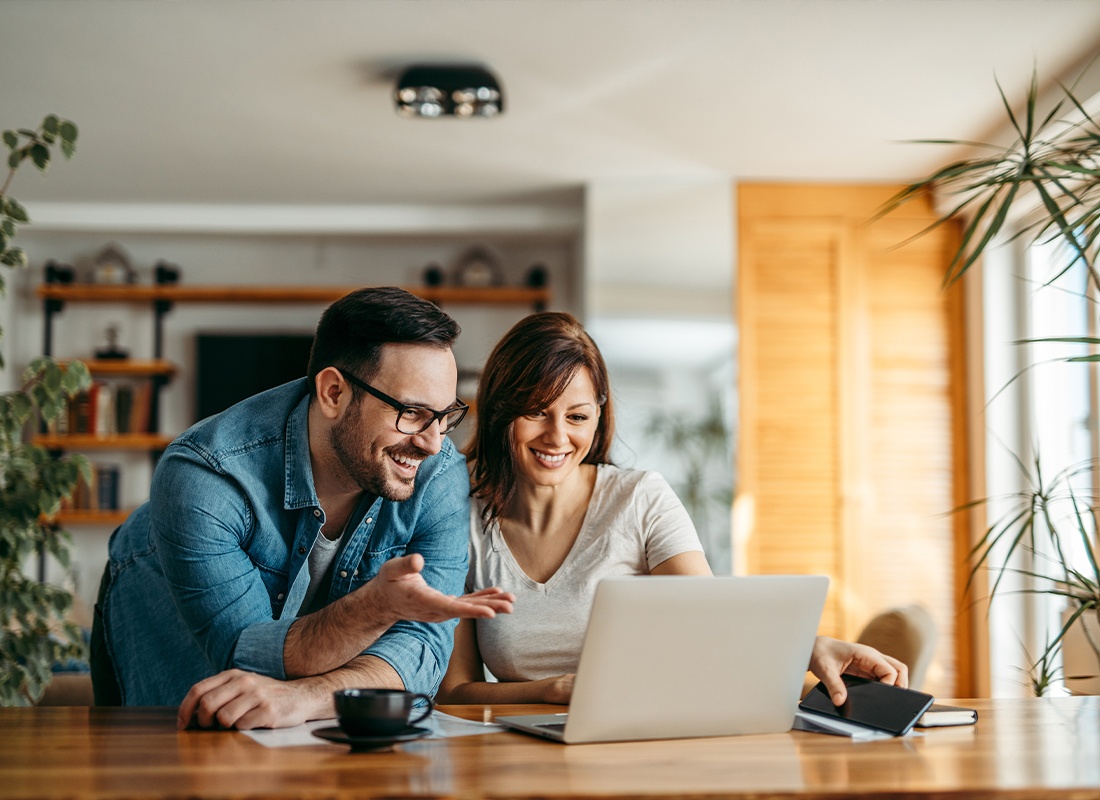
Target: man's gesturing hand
(402, 593)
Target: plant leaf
(1062, 339)
(40, 155)
(15, 211)
(14, 257)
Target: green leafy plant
(35, 145)
(1054, 157)
(34, 631)
(1050, 520)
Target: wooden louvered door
(852, 419)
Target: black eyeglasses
(412, 420)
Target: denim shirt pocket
(373, 560)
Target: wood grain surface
(1031, 748)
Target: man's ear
(333, 392)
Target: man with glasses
(310, 538)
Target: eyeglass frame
(401, 408)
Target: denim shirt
(210, 573)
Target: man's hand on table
(245, 700)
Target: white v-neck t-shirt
(634, 522)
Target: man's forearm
(363, 672)
(330, 638)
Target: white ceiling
(288, 101)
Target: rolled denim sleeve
(260, 648)
(420, 651)
(200, 523)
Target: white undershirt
(321, 558)
(633, 523)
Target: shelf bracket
(160, 308)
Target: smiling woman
(552, 516)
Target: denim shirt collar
(300, 489)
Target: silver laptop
(669, 657)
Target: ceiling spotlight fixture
(436, 90)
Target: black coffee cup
(377, 712)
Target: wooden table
(1018, 749)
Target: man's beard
(371, 475)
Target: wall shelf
(87, 441)
(86, 516)
(537, 297)
(133, 367)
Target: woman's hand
(831, 658)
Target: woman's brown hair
(526, 372)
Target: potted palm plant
(1048, 534)
(35, 632)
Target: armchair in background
(908, 633)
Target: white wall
(7, 306)
(659, 246)
(658, 296)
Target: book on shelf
(101, 493)
(108, 409)
(140, 408)
(124, 407)
(107, 477)
(103, 409)
(80, 413)
(941, 715)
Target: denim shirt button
(369, 520)
(301, 551)
(280, 596)
(316, 512)
(343, 573)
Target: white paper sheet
(442, 726)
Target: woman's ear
(333, 392)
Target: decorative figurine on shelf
(112, 350)
(478, 267)
(433, 275)
(111, 266)
(166, 273)
(538, 276)
(59, 273)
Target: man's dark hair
(353, 330)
